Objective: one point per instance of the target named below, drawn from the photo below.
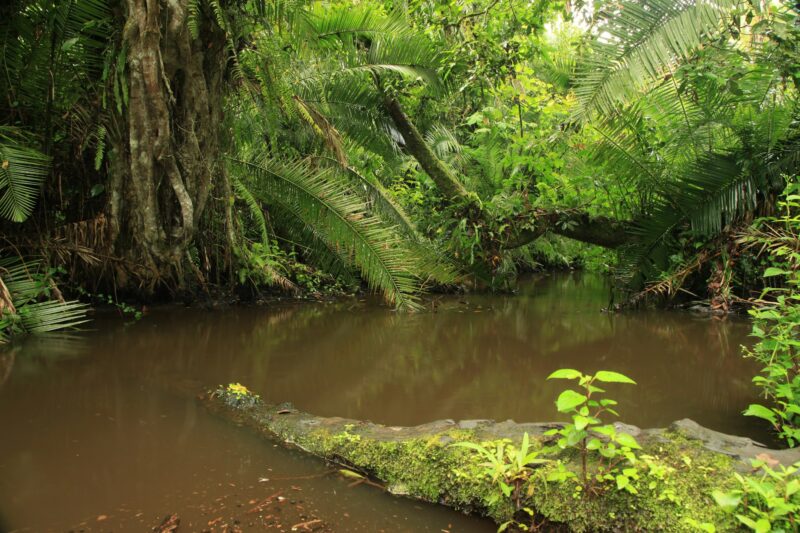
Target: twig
(306, 525)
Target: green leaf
(607, 430)
(773, 271)
(613, 377)
(763, 526)
(594, 444)
(622, 482)
(761, 412)
(728, 501)
(565, 373)
(569, 400)
(624, 439)
(68, 44)
(349, 473)
(580, 421)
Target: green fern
(193, 8)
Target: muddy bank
(419, 462)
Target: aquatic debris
(169, 524)
(266, 502)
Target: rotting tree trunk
(165, 152)
(420, 462)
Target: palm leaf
(49, 316)
(341, 219)
(22, 173)
(26, 285)
(639, 41)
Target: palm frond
(379, 200)
(244, 194)
(322, 126)
(442, 141)
(22, 172)
(639, 41)
(27, 285)
(342, 220)
(364, 39)
(355, 20)
(715, 192)
(43, 317)
(355, 108)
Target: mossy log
(420, 462)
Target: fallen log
(420, 462)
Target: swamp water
(94, 437)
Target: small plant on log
(237, 395)
(509, 468)
(588, 434)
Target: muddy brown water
(93, 439)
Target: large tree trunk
(165, 152)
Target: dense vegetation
(167, 150)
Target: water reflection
(475, 357)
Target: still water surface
(93, 437)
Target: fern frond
(193, 9)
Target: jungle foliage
(165, 150)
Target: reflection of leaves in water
(7, 357)
(36, 353)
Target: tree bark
(165, 153)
